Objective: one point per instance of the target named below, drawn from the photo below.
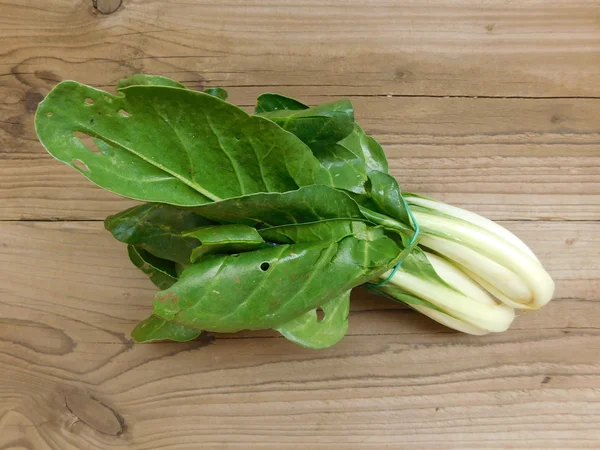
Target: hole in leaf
(124, 113)
(265, 266)
(87, 141)
(79, 164)
(320, 314)
(89, 101)
(49, 114)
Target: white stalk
(487, 252)
(463, 305)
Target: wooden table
(491, 105)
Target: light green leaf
(416, 264)
(224, 239)
(155, 328)
(168, 144)
(307, 330)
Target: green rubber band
(412, 241)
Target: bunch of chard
(260, 221)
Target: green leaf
(327, 231)
(367, 148)
(142, 79)
(348, 160)
(308, 204)
(307, 330)
(327, 123)
(385, 193)
(217, 92)
(160, 271)
(168, 144)
(224, 239)
(269, 287)
(155, 328)
(346, 170)
(275, 102)
(158, 229)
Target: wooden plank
(346, 47)
(70, 378)
(504, 158)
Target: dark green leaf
(308, 331)
(275, 102)
(160, 271)
(142, 79)
(217, 92)
(385, 193)
(366, 148)
(155, 328)
(269, 287)
(346, 170)
(327, 123)
(308, 204)
(157, 228)
(224, 239)
(172, 145)
(325, 231)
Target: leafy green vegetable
(327, 123)
(167, 144)
(367, 148)
(326, 230)
(274, 102)
(268, 287)
(308, 204)
(148, 80)
(308, 331)
(217, 92)
(157, 80)
(224, 239)
(157, 329)
(266, 220)
(160, 271)
(385, 193)
(158, 229)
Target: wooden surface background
(489, 104)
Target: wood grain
(70, 375)
(448, 147)
(505, 158)
(434, 47)
(492, 105)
